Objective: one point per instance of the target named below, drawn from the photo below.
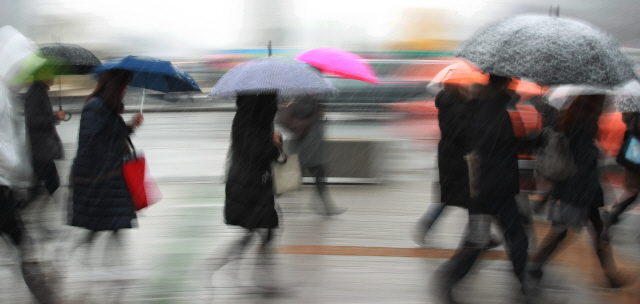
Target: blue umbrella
(154, 74)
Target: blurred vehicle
(400, 81)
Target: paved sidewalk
(363, 256)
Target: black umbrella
(69, 59)
(549, 51)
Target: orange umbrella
(465, 73)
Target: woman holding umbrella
(576, 200)
(249, 201)
(101, 199)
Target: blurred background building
(190, 28)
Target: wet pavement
(363, 256)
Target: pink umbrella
(339, 63)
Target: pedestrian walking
(15, 171)
(45, 143)
(631, 180)
(304, 117)
(575, 201)
(454, 121)
(496, 147)
(101, 200)
(249, 198)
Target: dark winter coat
(249, 199)
(583, 189)
(305, 119)
(101, 199)
(41, 124)
(493, 137)
(453, 119)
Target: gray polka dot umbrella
(549, 51)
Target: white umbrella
(560, 97)
(14, 166)
(628, 97)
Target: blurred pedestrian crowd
(523, 56)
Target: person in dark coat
(46, 145)
(454, 122)
(249, 198)
(304, 117)
(576, 200)
(101, 200)
(492, 138)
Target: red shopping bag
(143, 188)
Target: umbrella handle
(142, 102)
(67, 116)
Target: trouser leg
(431, 215)
(514, 234)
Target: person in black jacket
(492, 138)
(304, 117)
(249, 201)
(454, 122)
(575, 201)
(45, 143)
(43, 137)
(101, 199)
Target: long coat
(583, 189)
(494, 139)
(453, 119)
(41, 124)
(101, 199)
(249, 198)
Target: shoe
(209, 267)
(418, 235)
(336, 211)
(617, 281)
(535, 276)
(445, 295)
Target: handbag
(143, 188)
(286, 173)
(554, 160)
(629, 154)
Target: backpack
(554, 160)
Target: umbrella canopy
(549, 51)
(154, 74)
(339, 63)
(465, 74)
(560, 97)
(288, 77)
(69, 59)
(628, 97)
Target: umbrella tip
(269, 47)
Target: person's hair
(253, 123)
(110, 86)
(495, 80)
(583, 112)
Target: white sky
(217, 23)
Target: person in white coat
(14, 164)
